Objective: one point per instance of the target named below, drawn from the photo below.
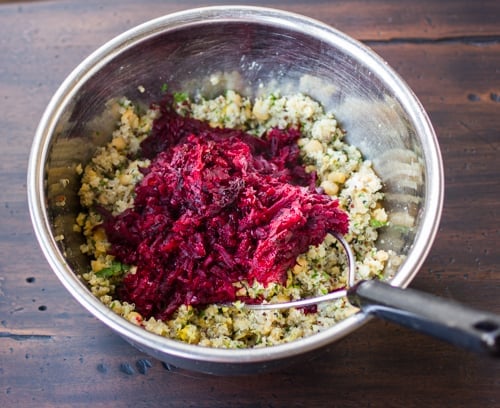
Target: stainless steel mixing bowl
(258, 49)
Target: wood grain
(53, 353)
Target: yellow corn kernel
(337, 177)
(97, 265)
(330, 188)
(118, 143)
(125, 179)
(101, 243)
(260, 110)
(313, 146)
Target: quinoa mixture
(109, 189)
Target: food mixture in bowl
(197, 206)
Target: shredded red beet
(216, 206)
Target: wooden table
(53, 353)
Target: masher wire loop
(336, 294)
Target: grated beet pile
(215, 206)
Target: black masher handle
(445, 319)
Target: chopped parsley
(180, 97)
(116, 269)
(377, 224)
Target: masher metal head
(336, 294)
(444, 319)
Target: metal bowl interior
(258, 50)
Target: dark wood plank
(52, 352)
(363, 19)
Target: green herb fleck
(116, 269)
(377, 224)
(164, 87)
(180, 97)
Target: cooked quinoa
(108, 181)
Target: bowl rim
(37, 199)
